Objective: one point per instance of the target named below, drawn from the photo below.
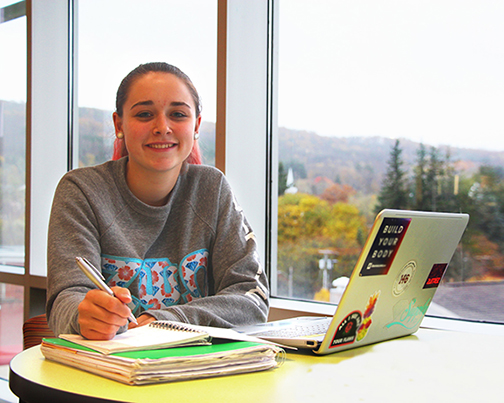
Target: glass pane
(11, 321)
(12, 173)
(354, 77)
(12, 144)
(116, 36)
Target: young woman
(166, 233)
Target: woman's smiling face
(159, 120)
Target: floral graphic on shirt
(120, 273)
(154, 303)
(189, 268)
(161, 283)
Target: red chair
(34, 330)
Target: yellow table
(431, 365)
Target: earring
(120, 135)
(196, 136)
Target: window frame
(242, 107)
(49, 92)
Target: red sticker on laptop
(385, 246)
(355, 326)
(347, 330)
(435, 275)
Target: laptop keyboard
(297, 330)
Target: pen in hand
(97, 278)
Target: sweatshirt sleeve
(72, 232)
(238, 285)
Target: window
(12, 172)
(116, 36)
(12, 137)
(11, 321)
(361, 55)
(354, 77)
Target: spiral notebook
(162, 334)
(156, 335)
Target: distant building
(291, 189)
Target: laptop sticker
(435, 275)
(404, 278)
(385, 246)
(366, 318)
(409, 314)
(355, 326)
(347, 330)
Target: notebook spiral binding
(167, 325)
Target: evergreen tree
(434, 182)
(448, 200)
(394, 193)
(487, 212)
(434, 173)
(421, 198)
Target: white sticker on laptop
(404, 278)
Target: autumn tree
(307, 224)
(337, 193)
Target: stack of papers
(134, 361)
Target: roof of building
(473, 300)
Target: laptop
(390, 289)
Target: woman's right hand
(101, 315)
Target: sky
(431, 71)
(115, 36)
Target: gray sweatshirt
(192, 260)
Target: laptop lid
(395, 278)
(392, 284)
